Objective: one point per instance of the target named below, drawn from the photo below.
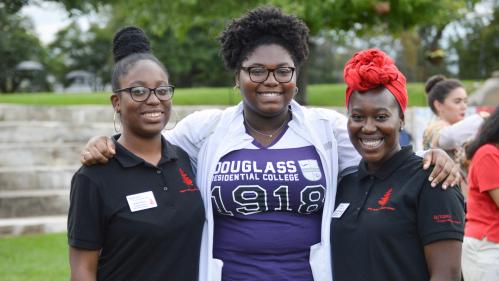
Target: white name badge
(141, 201)
(340, 210)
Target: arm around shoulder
(456, 135)
(190, 132)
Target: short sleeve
(191, 132)
(85, 219)
(455, 135)
(440, 214)
(486, 172)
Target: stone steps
(36, 177)
(26, 203)
(51, 131)
(79, 114)
(32, 225)
(39, 154)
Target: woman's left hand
(445, 168)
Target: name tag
(141, 201)
(340, 210)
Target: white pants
(480, 260)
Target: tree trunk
(410, 44)
(15, 83)
(301, 96)
(302, 80)
(3, 86)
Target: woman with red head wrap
(371, 69)
(389, 224)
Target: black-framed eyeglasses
(259, 74)
(140, 93)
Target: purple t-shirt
(267, 205)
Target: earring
(177, 119)
(296, 90)
(114, 122)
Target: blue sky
(49, 17)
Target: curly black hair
(488, 133)
(263, 26)
(130, 45)
(438, 87)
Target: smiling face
(148, 118)
(268, 98)
(374, 123)
(454, 107)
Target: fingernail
(433, 184)
(444, 186)
(430, 178)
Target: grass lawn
(34, 258)
(318, 95)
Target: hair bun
(432, 81)
(130, 40)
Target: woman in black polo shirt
(389, 224)
(140, 216)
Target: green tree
(360, 16)
(18, 43)
(74, 49)
(478, 48)
(192, 61)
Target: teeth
(153, 114)
(270, 94)
(371, 143)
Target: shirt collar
(389, 166)
(127, 159)
(297, 115)
(297, 111)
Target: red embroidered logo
(445, 218)
(383, 201)
(187, 181)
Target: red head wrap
(371, 68)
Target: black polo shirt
(157, 243)
(391, 215)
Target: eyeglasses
(140, 94)
(259, 74)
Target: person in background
(140, 216)
(405, 137)
(267, 166)
(448, 100)
(480, 259)
(388, 223)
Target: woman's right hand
(98, 150)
